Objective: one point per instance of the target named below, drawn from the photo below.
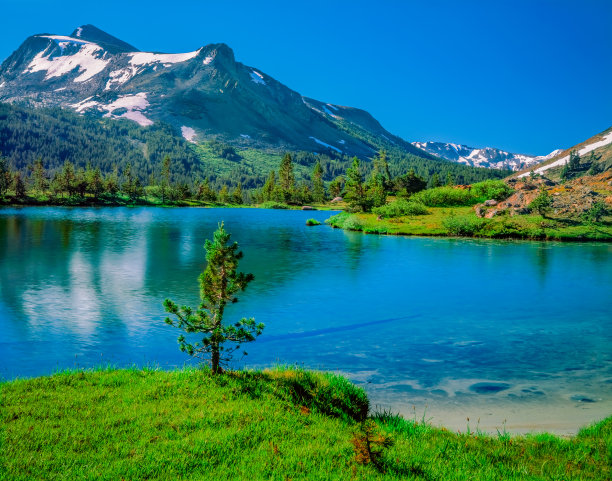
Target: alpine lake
(514, 335)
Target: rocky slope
(205, 94)
(595, 155)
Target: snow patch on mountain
(79, 31)
(329, 112)
(257, 77)
(188, 134)
(208, 60)
(133, 104)
(320, 142)
(332, 107)
(121, 76)
(607, 139)
(88, 60)
(148, 58)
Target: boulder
(337, 199)
(490, 202)
(308, 207)
(479, 210)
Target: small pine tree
(39, 175)
(19, 186)
(237, 194)
(435, 181)
(356, 192)
(541, 203)
(5, 176)
(164, 185)
(219, 284)
(318, 187)
(286, 178)
(336, 186)
(268, 188)
(224, 195)
(112, 181)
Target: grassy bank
(462, 221)
(278, 424)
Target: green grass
(312, 222)
(276, 424)
(462, 221)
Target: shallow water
(443, 329)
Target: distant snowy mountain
(204, 94)
(488, 157)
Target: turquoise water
(449, 326)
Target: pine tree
(127, 187)
(5, 176)
(67, 179)
(164, 185)
(112, 181)
(381, 167)
(286, 177)
(237, 194)
(268, 188)
(541, 203)
(219, 284)
(376, 192)
(95, 183)
(224, 195)
(318, 187)
(356, 193)
(19, 186)
(39, 175)
(335, 187)
(435, 181)
(449, 179)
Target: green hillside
(57, 135)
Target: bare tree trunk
(215, 359)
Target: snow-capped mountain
(205, 93)
(486, 157)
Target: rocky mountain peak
(93, 34)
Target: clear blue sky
(524, 76)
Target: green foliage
(271, 204)
(541, 204)
(5, 176)
(409, 183)
(596, 212)
(445, 196)
(318, 187)
(224, 151)
(219, 284)
(347, 221)
(356, 191)
(400, 208)
(464, 225)
(572, 168)
(336, 186)
(491, 189)
(311, 222)
(286, 178)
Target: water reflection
(425, 319)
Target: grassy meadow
(281, 424)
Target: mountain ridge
(205, 94)
(489, 157)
